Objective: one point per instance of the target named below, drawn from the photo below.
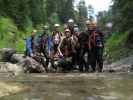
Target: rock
(32, 66)
(11, 68)
(131, 69)
(6, 54)
(123, 65)
(117, 68)
(17, 58)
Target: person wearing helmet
(76, 49)
(66, 50)
(71, 21)
(71, 25)
(45, 44)
(46, 27)
(30, 44)
(96, 46)
(43, 40)
(66, 26)
(83, 50)
(56, 38)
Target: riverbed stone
(17, 58)
(6, 67)
(6, 54)
(31, 65)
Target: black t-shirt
(83, 38)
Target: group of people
(71, 49)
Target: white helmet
(70, 21)
(45, 27)
(56, 25)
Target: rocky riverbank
(17, 63)
(123, 65)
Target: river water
(75, 86)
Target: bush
(129, 40)
(10, 36)
(116, 46)
(8, 32)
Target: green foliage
(103, 18)
(115, 46)
(8, 32)
(122, 14)
(64, 9)
(117, 39)
(7, 28)
(10, 36)
(19, 17)
(20, 46)
(54, 18)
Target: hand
(61, 56)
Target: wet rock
(124, 65)
(118, 68)
(91, 98)
(17, 58)
(6, 54)
(30, 66)
(109, 98)
(131, 69)
(15, 69)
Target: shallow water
(74, 87)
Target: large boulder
(17, 58)
(32, 66)
(6, 54)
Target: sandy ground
(8, 88)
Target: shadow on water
(75, 87)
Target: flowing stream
(74, 86)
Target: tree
(83, 14)
(64, 9)
(37, 11)
(122, 10)
(104, 21)
(67, 10)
